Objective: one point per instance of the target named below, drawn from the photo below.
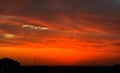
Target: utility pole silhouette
(35, 60)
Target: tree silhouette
(9, 66)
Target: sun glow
(9, 36)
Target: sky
(60, 32)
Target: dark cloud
(94, 6)
(101, 15)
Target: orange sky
(55, 47)
(59, 32)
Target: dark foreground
(10, 66)
(69, 69)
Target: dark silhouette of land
(11, 66)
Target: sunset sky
(60, 32)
